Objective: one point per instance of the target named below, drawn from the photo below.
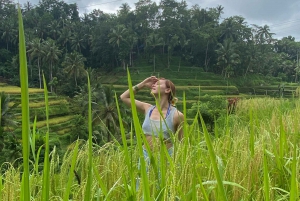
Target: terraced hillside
(195, 83)
(60, 117)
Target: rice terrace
(66, 135)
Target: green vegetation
(244, 150)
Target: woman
(163, 91)
(162, 119)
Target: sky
(283, 17)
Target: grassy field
(254, 152)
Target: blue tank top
(155, 127)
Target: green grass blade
(125, 147)
(204, 194)
(46, 171)
(266, 178)
(138, 130)
(1, 185)
(71, 173)
(294, 183)
(36, 164)
(251, 143)
(32, 139)
(222, 194)
(100, 182)
(282, 142)
(25, 194)
(87, 194)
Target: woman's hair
(169, 84)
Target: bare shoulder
(179, 117)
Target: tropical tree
(154, 41)
(52, 56)
(74, 65)
(8, 30)
(263, 34)
(117, 38)
(54, 29)
(65, 37)
(36, 51)
(105, 111)
(228, 58)
(77, 39)
(7, 118)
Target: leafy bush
(211, 109)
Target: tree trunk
(154, 63)
(50, 75)
(179, 64)
(206, 62)
(39, 73)
(75, 79)
(168, 58)
(247, 69)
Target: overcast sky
(283, 17)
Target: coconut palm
(36, 51)
(154, 41)
(74, 65)
(264, 34)
(65, 37)
(7, 116)
(227, 57)
(54, 29)
(77, 42)
(105, 111)
(51, 56)
(9, 31)
(117, 38)
(117, 35)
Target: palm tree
(51, 56)
(263, 34)
(116, 37)
(154, 40)
(74, 65)
(7, 116)
(65, 37)
(77, 42)
(54, 28)
(227, 57)
(8, 31)
(105, 111)
(36, 50)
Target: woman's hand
(148, 82)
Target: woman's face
(159, 87)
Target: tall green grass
(25, 195)
(46, 171)
(88, 187)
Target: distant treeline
(61, 43)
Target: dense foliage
(61, 43)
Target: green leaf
(71, 173)
(88, 187)
(46, 170)
(25, 191)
